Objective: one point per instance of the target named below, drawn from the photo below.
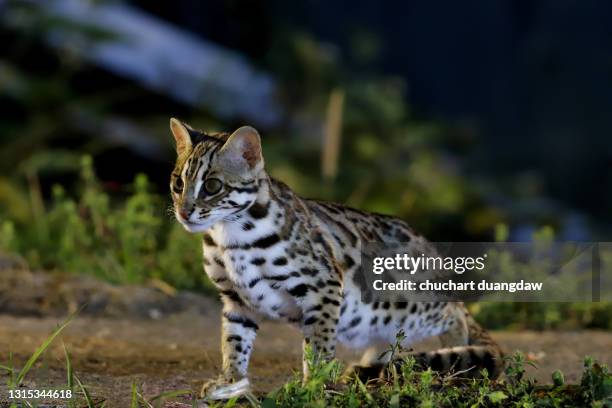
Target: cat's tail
(467, 361)
(463, 361)
(481, 353)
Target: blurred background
(473, 121)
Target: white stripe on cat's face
(199, 179)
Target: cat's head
(216, 176)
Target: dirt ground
(181, 351)
(164, 340)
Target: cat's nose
(184, 214)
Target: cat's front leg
(239, 329)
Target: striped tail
(466, 361)
(469, 360)
(480, 353)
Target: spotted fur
(275, 255)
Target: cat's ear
(180, 131)
(241, 153)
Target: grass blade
(252, 400)
(364, 390)
(144, 401)
(157, 400)
(170, 394)
(69, 373)
(134, 402)
(11, 379)
(28, 365)
(88, 399)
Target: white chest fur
(259, 282)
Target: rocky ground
(163, 340)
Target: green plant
(410, 386)
(128, 241)
(403, 385)
(16, 377)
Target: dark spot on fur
(348, 261)
(309, 271)
(241, 320)
(402, 236)
(258, 261)
(259, 211)
(299, 290)
(266, 242)
(327, 300)
(310, 320)
(279, 278)
(254, 282)
(280, 261)
(230, 294)
(343, 309)
(208, 241)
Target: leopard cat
(275, 255)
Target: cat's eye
(212, 186)
(178, 185)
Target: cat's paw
(222, 389)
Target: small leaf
(497, 396)
(394, 401)
(558, 379)
(268, 402)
